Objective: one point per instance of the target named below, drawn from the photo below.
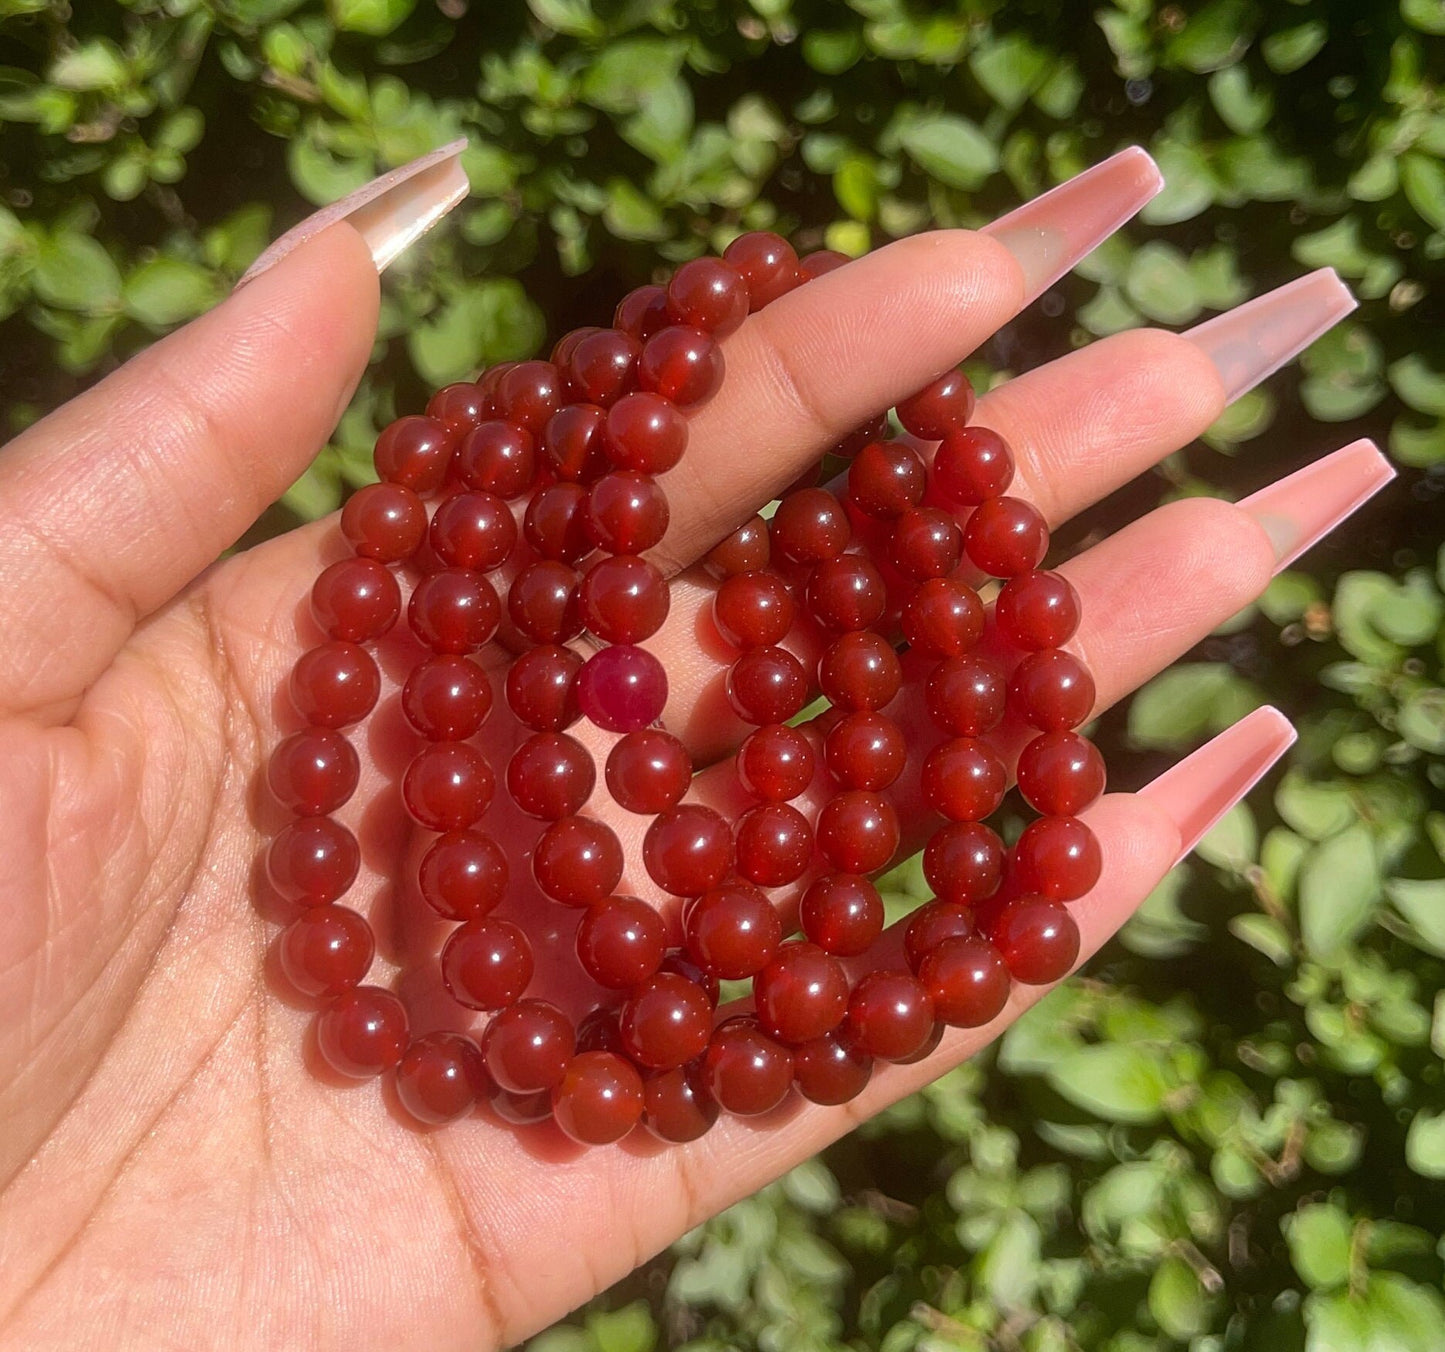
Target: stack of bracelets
(521, 509)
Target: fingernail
(1198, 791)
(390, 212)
(1053, 232)
(1255, 339)
(1302, 508)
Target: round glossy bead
(642, 311)
(385, 522)
(542, 602)
(627, 512)
(842, 913)
(313, 860)
(886, 478)
(624, 599)
(459, 407)
(362, 1032)
(732, 930)
(965, 696)
(767, 263)
(1058, 857)
(551, 775)
(529, 393)
(598, 1032)
(776, 763)
(447, 698)
(801, 994)
(645, 432)
(521, 1110)
(527, 1046)
(313, 773)
(622, 688)
(648, 771)
(678, 1106)
(473, 530)
(858, 831)
(415, 452)
(1052, 690)
(566, 345)
(708, 294)
(753, 610)
(747, 1073)
(447, 786)
(767, 685)
(454, 611)
(943, 618)
(810, 526)
(939, 408)
(326, 950)
(1060, 774)
(463, 875)
(687, 850)
(829, 1071)
(621, 942)
(747, 550)
(967, 979)
(964, 779)
(865, 434)
(666, 1022)
(963, 862)
(355, 600)
(972, 465)
(498, 457)
(599, 1098)
(890, 1015)
(572, 443)
(577, 861)
(931, 924)
(847, 593)
(860, 671)
(926, 543)
(603, 367)
(1005, 537)
(1037, 610)
(865, 751)
(680, 963)
(682, 364)
(1038, 939)
(821, 262)
(774, 844)
(335, 684)
(555, 523)
(542, 687)
(441, 1077)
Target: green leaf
(1216, 36)
(1264, 934)
(832, 52)
(950, 149)
(1232, 842)
(1421, 720)
(1058, 97)
(1178, 1300)
(321, 177)
(1115, 1082)
(631, 214)
(1315, 809)
(74, 272)
(166, 291)
(375, 17)
(573, 17)
(1189, 185)
(1418, 447)
(97, 64)
(1420, 386)
(630, 1329)
(1008, 1269)
(1423, 179)
(1244, 109)
(625, 73)
(1339, 886)
(1426, 15)
(1421, 901)
(813, 1187)
(1188, 702)
(1292, 48)
(1161, 284)
(1159, 928)
(1319, 1244)
(1009, 69)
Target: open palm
(172, 1170)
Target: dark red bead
(767, 263)
(801, 994)
(774, 844)
(965, 696)
(542, 688)
(865, 751)
(566, 345)
(529, 393)
(1058, 857)
(753, 610)
(847, 593)
(641, 312)
(972, 465)
(551, 775)
(498, 457)
(733, 930)
(386, 522)
(555, 522)
(747, 1073)
(967, 979)
(454, 611)
(943, 618)
(842, 913)
(627, 512)
(441, 1077)
(865, 434)
(415, 452)
(527, 1046)
(648, 771)
(572, 443)
(886, 478)
(542, 602)
(603, 366)
(458, 407)
(829, 1071)
(486, 964)
(890, 1015)
(1052, 690)
(599, 1098)
(313, 773)
(940, 407)
(860, 671)
(810, 526)
(678, 1106)
(488, 381)
(326, 950)
(767, 685)
(679, 963)
(599, 1032)
(682, 364)
(577, 861)
(821, 262)
(473, 530)
(448, 786)
(687, 850)
(645, 432)
(776, 763)
(313, 860)
(747, 550)
(1005, 537)
(666, 1022)
(624, 599)
(931, 924)
(1060, 774)
(621, 942)
(447, 698)
(463, 876)
(858, 831)
(622, 688)
(362, 1032)
(1038, 939)
(964, 779)
(521, 1110)
(355, 600)
(926, 543)
(335, 684)
(963, 862)
(708, 294)
(1037, 610)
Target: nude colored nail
(1255, 339)
(1302, 508)
(1198, 791)
(390, 212)
(1049, 235)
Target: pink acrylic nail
(390, 212)
(1300, 509)
(1049, 235)
(1255, 339)
(1198, 791)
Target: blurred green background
(1231, 1132)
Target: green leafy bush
(1231, 1133)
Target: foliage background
(1231, 1132)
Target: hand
(171, 1171)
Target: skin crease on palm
(174, 1172)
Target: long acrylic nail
(1049, 235)
(1255, 339)
(1302, 508)
(390, 212)
(1198, 791)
